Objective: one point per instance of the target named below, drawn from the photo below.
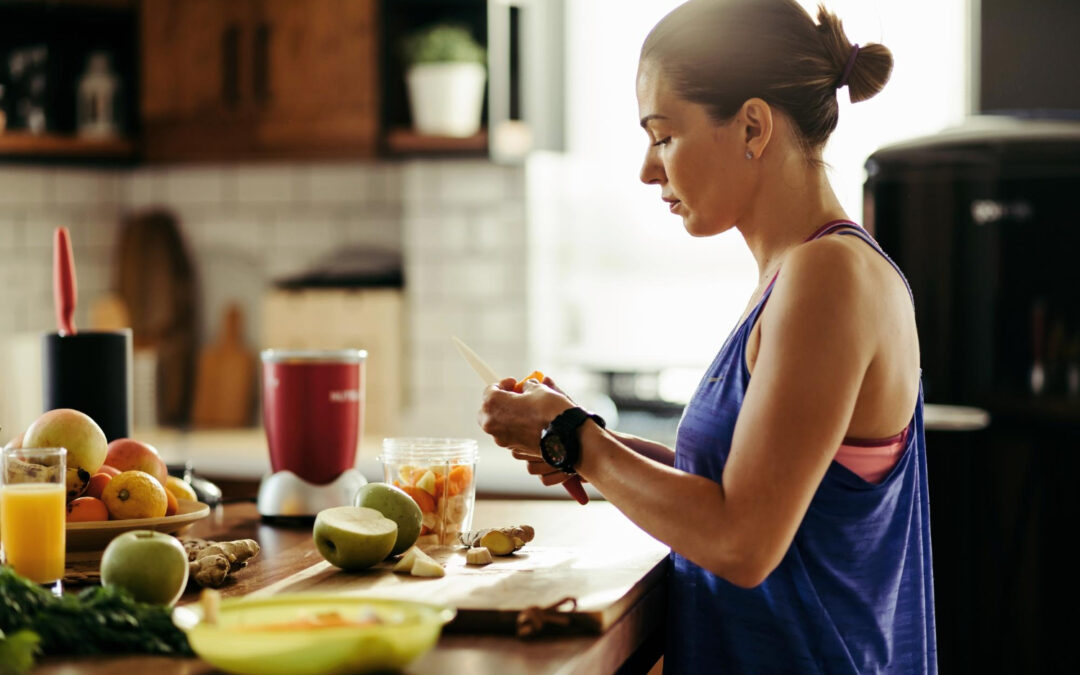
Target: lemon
(180, 488)
(135, 494)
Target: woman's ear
(757, 118)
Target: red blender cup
(313, 409)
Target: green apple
(353, 537)
(399, 507)
(80, 435)
(151, 565)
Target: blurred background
(383, 174)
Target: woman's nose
(652, 172)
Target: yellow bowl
(237, 644)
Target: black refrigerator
(983, 219)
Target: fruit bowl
(261, 636)
(86, 540)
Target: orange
(86, 509)
(180, 488)
(172, 506)
(135, 494)
(97, 484)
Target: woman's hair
(720, 53)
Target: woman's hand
(515, 420)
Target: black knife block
(90, 372)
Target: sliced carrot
(440, 481)
(534, 375)
(459, 479)
(425, 501)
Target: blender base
(284, 495)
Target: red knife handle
(64, 282)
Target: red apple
(111, 470)
(127, 454)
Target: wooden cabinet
(247, 79)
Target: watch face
(553, 449)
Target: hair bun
(872, 65)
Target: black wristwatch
(560, 444)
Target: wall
(459, 224)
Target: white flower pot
(446, 99)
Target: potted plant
(445, 78)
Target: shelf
(21, 145)
(405, 141)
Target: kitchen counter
(241, 456)
(633, 641)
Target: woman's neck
(794, 199)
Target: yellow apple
(80, 435)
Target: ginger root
(210, 562)
(478, 555)
(499, 540)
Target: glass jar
(440, 475)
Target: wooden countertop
(633, 642)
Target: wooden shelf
(405, 141)
(22, 145)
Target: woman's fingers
(527, 455)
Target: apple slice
(404, 566)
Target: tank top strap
(857, 231)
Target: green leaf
(18, 651)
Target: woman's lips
(673, 206)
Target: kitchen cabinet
(251, 79)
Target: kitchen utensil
(87, 540)
(91, 372)
(225, 379)
(313, 406)
(488, 375)
(64, 288)
(400, 633)
(155, 278)
(447, 496)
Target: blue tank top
(854, 592)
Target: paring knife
(489, 376)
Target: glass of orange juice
(32, 509)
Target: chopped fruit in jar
(459, 479)
(427, 483)
(424, 500)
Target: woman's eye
(662, 141)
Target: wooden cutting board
(225, 379)
(617, 566)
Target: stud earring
(749, 155)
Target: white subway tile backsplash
(82, 188)
(460, 227)
(345, 184)
(263, 185)
(22, 186)
(143, 188)
(11, 229)
(195, 186)
(308, 231)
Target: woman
(795, 500)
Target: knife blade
(479, 366)
(489, 376)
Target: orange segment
(459, 479)
(425, 501)
(534, 375)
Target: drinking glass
(32, 512)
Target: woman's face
(700, 166)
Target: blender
(313, 408)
